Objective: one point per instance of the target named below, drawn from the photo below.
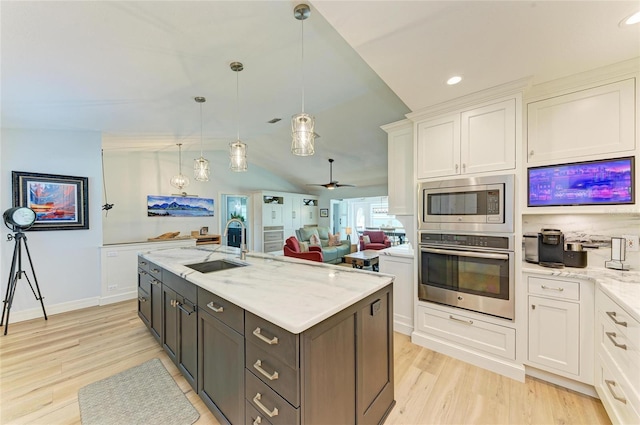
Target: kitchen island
(274, 340)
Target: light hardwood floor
(44, 363)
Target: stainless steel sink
(213, 266)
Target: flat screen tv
(601, 182)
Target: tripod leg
(9, 300)
(35, 279)
(10, 284)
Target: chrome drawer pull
(144, 263)
(142, 299)
(154, 282)
(612, 335)
(258, 421)
(466, 322)
(612, 315)
(211, 305)
(141, 272)
(155, 270)
(611, 384)
(272, 341)
(270, 413)
(258, 366)
(555, 289)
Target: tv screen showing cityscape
(601, 182)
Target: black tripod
(17, 274)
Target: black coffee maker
(551, 248)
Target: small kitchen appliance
(618, 255)
(551, 248)
(531, 247)
(574, 256)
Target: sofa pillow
(366, 239)
(307, 232)
(314, 240)
(334, 240)
(304, 246)
(323, 232)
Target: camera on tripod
(19, 219)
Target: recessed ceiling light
(630, 20)
(454, 80)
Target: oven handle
(473, 254)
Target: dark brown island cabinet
(250, 371)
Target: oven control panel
(483, 241)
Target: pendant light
(179, 181)
(201, 165)
(302, 124)
(237, 149)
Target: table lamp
(348, 232)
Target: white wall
(131, 176)
(66, 262)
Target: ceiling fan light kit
(332, 183)
(302, 124)
(201, 165)
(237, 149)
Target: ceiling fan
(332, 183)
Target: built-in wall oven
(470, 271)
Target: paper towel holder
(618, 255)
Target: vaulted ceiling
(131, 69)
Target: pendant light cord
(302, 61)
(201, 130)
(180, 158)
(237, 105)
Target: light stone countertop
(404, 250)
(293, 294)
(622, 286)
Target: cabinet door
(596, 121)
(488, 138)
(144, 306)
(169, 323)
(554, 334)
(156, 308)
(187, 355)
(438, 147)
(221, 368)
(400, 170)
(403, 291)
(309, 215)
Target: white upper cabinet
(468, 141)
(400, 186)
(592, 122)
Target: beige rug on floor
(145, 394)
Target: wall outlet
(112, 288)
(631, 243)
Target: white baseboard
(403, 328)
(34, 313)
(562, 381)
(119, 297)
(511, 370)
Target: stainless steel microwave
(477, 204)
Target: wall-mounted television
(600, 182)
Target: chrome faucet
(243, 245)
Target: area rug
(145, 394)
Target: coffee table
(361, 259)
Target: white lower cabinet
(403, 290)
(617, 362)
(560, 326)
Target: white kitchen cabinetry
(594, 121)
(404, 294)
(560, 326)
(617, 379)
(272, 210)
(292, 214)
(400, 167)
(468, 141)
(309, 211)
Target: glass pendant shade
(179, 181)
(303, 135)
(201, 169)
(238, 156)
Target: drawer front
(144, 281)
(455, 327)
(253, 417)
(155, 271)
(274, 372)
(618, 318)
(143, 264)
(180, 285)
(273, 236)
(223, 310)
(615, 346)
(273, 339)
(267, 402)
(615, 394)
(564, 289)
(273, 246)
(144, 306)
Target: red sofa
(377, 238)
(292, 249)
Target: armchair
(292, 249)
(377, 240)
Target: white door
(438, 147)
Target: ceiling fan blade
(345, 185)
